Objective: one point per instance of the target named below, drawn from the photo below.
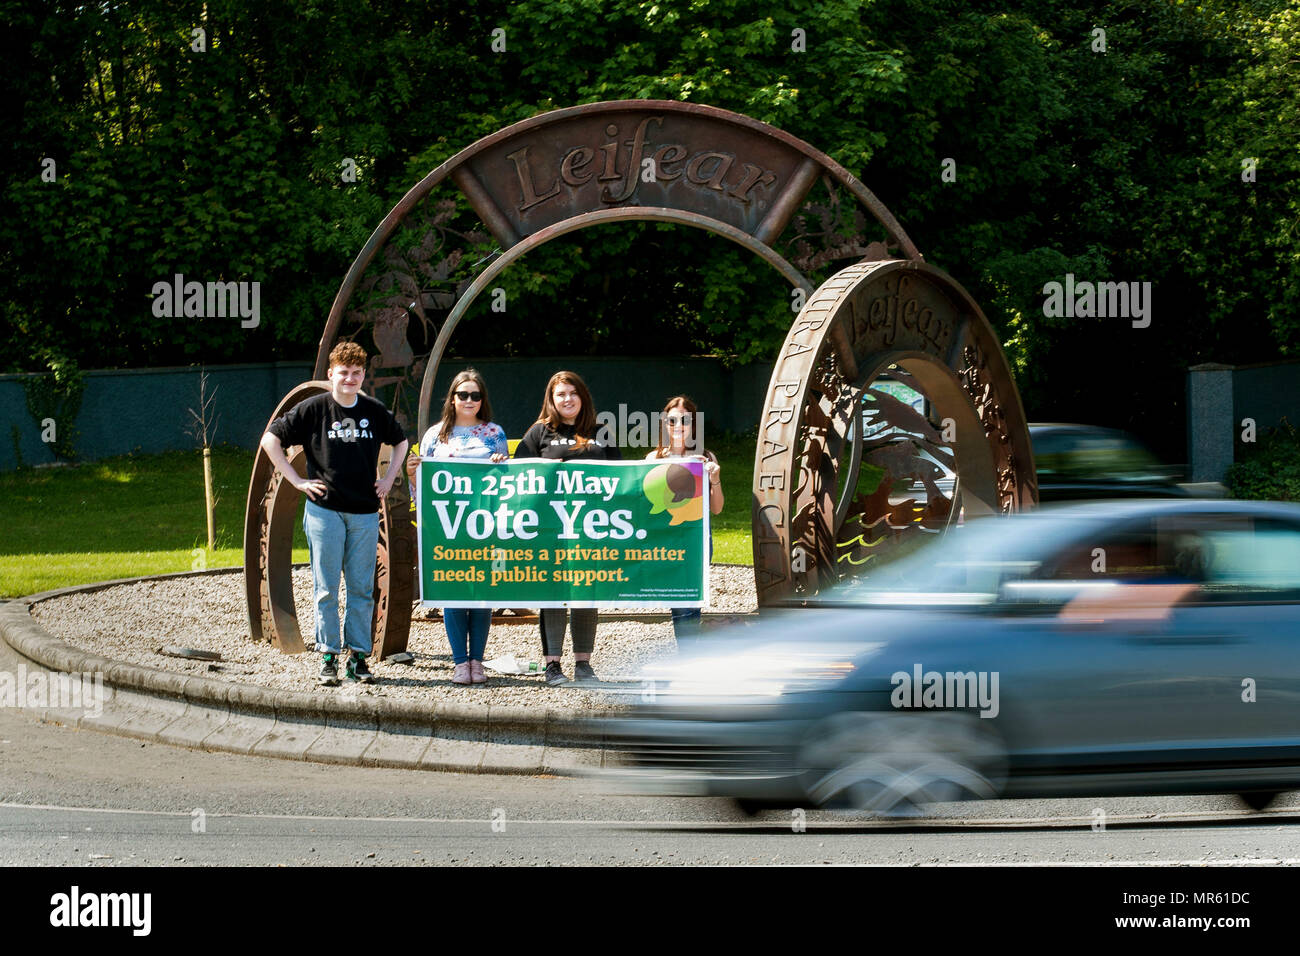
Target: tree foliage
(1117, 164)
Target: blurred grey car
(1117, 648)
(1079, 462)
(1075, 463)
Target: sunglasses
(469, 396)
(678, 420)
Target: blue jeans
(345, 545)
(471, 622)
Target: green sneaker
(357, 669)
(329, 671)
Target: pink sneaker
(461, 674)
(476, 672)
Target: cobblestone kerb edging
(219, 715)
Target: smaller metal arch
(268, 542)
(863, 319)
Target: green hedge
(1271, 470)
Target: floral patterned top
(467, 441)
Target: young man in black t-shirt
(341, 433)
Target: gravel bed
(130, 622)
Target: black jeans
(686, 626)
(583, 627)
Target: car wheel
(1259, 799)
(894, 763)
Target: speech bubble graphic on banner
(677, 489)
(655, 486)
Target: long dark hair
(693, 445)
(584, 427)
(448, 420)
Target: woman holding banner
(465, 430)
(679, 437)
(566, 430)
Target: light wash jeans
(467, 621)
(345, 545)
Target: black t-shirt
(342, 446)
(543, 441)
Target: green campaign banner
(538, 533)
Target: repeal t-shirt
(342, 446)
(543, 441)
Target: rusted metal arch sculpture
(497, 169)
(529, 183)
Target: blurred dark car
(1076, 462)
(1135, 647)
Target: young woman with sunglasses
(566, 430)
(679, 438)
(466, 430)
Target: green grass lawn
(121, 517)
(733, 541)
(143, 514)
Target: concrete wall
(1209, 422)
(1221, 397)
(147, 409)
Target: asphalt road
(88, 799)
